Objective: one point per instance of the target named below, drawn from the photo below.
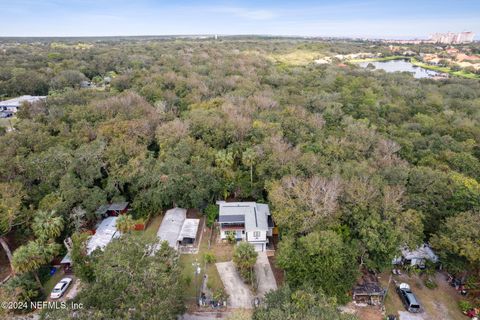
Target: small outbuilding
(369, 293)
(113, 209)
(188, 234)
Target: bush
(209, 257)
(430, 283)
(465, 305)
(211, 212)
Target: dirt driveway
(265, 278)
(239, 294)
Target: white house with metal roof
(246, 221)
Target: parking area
(265, 278)
(239, 294)
(440, 303)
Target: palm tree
(30, 257)
(248, 159)
(125, 223)
(47, 225)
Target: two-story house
(246, 221)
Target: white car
(60, 288)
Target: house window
(256, 234)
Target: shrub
(465, 305)
(209, 257)
(211, 212)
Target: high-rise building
(453, 38)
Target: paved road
(239, 294)
(266, 280)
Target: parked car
(408, 298)
(60, 288)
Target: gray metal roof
(171, 226)
(119, 206)
(104, 233)
(232, 218)
(189, 229)
(256, 214)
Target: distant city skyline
(342, 18)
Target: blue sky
(362, 18)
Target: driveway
(263, 271)
(239, 295)
(405, 315)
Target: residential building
(180, 232)
(13, 105)
(246, 221)
(417, 257)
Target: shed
(113, 209)
(369, 293)
(188, 234)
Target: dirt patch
(440, 303)
(363, 312)
(278, 273)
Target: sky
(340, 18)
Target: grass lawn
(52, 281)
(152, 227)
(187, 260)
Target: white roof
(105, 232)
(16, 102)
(189, 229)
(172, 225)
(422, 252)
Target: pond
(402, 66)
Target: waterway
(401, 65)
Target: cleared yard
(440, 303)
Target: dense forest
(354, 163)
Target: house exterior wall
(261, 236)
(239, 233)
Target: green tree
(11, 197)
(132, 275)
(31, 256)
(458, 242)
(321, 260)
(249, 158)
(245, 257)
(47, 225)
(82, 263)
(125, 223)
(301, 304)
